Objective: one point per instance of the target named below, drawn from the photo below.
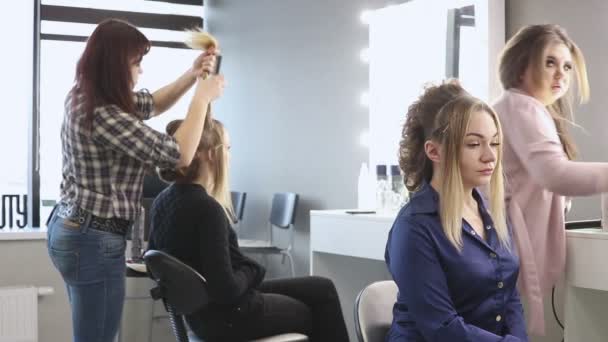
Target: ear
(211, 154)
(432, 151)
(199, 155)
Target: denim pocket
(114, 246)
(64, 238)
(64, 247)
(66, 263)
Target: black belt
(112, 225)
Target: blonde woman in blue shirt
(449, 251)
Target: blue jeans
(92, 264)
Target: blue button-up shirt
(447, 295)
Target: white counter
(354, 235)
(349, 249)
(586, 303)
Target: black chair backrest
(238, 203)
(180, 285)
(283, 210)
(153, 185)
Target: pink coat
(538, 176)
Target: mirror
(423, 41)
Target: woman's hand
(205, 63)
(211, 87)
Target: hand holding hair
(209, 61)
(205, 64)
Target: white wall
(292, 104)
(27, 263)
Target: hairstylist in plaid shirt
(107, 148)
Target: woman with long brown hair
(106, 150)
(536, 68)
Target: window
(64, 26)
(15, 96)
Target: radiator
(19, 314)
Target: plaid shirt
(103, 168)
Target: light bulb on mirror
(364, 16)
(364, 139)
(364, 100)
(364, 55)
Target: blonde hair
(212, 139)
(451, 127)
(442, 114)
(198, 39)
(525, 49)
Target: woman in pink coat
(537, 67)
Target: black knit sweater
(190, 225)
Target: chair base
(283, 338)
(277, 338)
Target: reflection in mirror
(423, 41)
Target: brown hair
(525, 49)
(103, 72)
(420, 119)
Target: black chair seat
(184, 291)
